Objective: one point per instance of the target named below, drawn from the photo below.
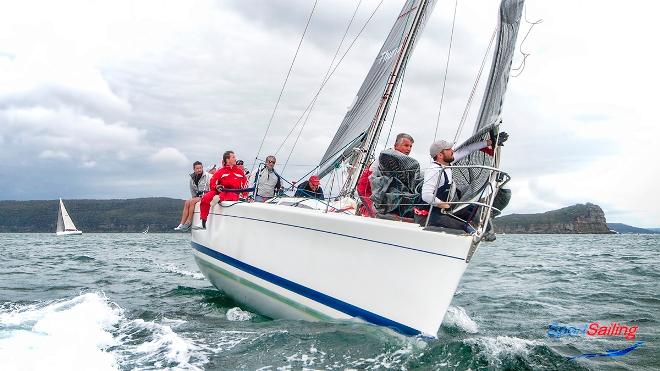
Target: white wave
(89, 332)
(314, 356)
(172, 268)
(456, 316)
(237, 314)
(495, 349)
(72, 334)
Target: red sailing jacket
(231, 177)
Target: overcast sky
(116, 99)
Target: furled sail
(364, 110)
(64, 222)
(471, 182)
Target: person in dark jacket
(310, 188)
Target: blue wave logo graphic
(611, 352)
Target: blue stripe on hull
(299, 289)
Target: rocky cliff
(579, 219)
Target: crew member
(230, 177)
(310, 188)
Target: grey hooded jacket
(202, 186)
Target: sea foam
(89, 332)
(456, 316)
(66, 334)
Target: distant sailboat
(65, 226)
(146, 230)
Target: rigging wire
(444, 81)
(474, 87)
(286, 79)
(521, 67)
(325, 77)
(334, 70)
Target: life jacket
(422, 208)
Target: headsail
(368, 104)
(67, 223)
(471, 181)
(491, 106)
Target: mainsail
(370, 105)
(64, 222)
(471, 182)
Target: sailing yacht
(65, 226)
(316, 260)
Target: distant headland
(577, 219)
(161, 214)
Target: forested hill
(134, 215)
(580, 218)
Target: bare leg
(191, 209)
(184, 214)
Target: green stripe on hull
(282, 299)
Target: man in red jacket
(229, 176)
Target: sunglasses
(270, 161)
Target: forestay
(365, 107)
(471, 182)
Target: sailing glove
(503, 137)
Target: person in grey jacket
(199, 185)
(269, 182)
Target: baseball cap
(314, 179)
(438, 146)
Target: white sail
(65, 225)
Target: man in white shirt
(438, 180)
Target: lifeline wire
(444, 81)
(309, 19)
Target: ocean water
(138, 301)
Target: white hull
(68, 233)
(293, 263)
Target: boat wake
(89, 332)
(457, 317)
(172, 268)
(237, 314)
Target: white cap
(438, 146)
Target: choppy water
(133, 301)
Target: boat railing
(482, 201)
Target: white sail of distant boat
(297, 258)
(65, 226)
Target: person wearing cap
(310, 188)
(268, 181)
(438, 180)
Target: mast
(361, 155)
